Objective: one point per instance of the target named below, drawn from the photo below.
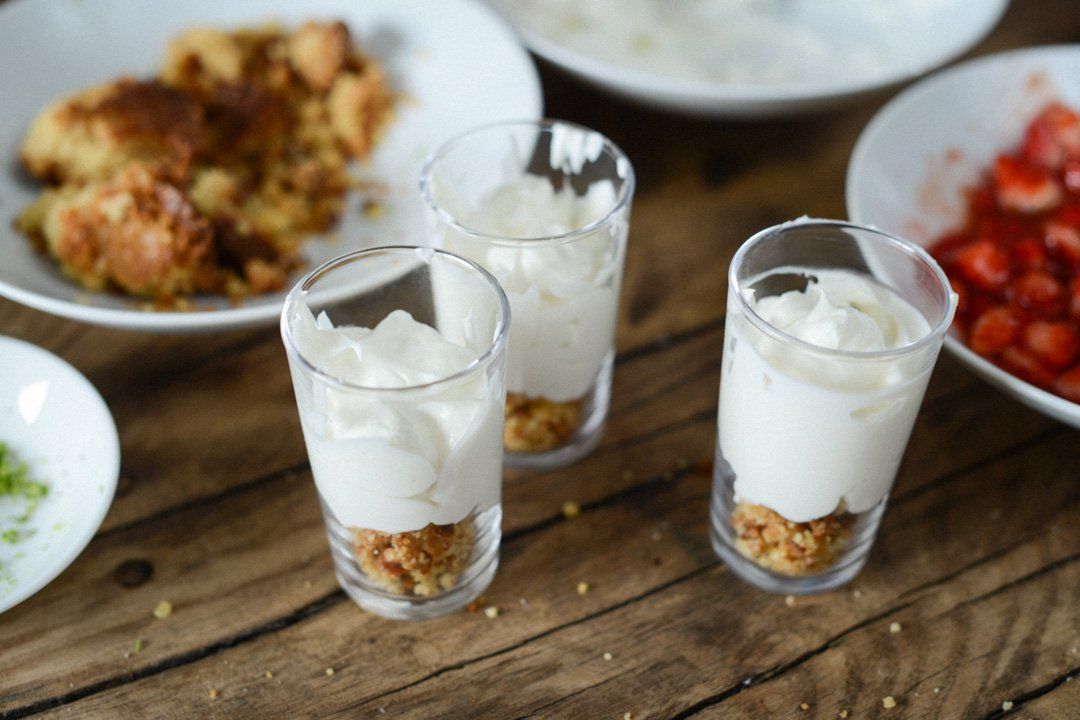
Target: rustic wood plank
(621, 563)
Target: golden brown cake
(250, 132)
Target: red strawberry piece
(1063, 242)
(1052, 137)
(1025, 365)
(994, 330)
(983, 264)
(1074, 298)
(1071, 175)
(961, 291)
(1068, 384)
(1038, 290)
(1025, 188)
(1056, 344)
(1029, 253)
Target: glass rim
(622, 200)
(302, 286)
(936, 333)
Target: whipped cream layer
(395, 462)
(808, 432)
(563, 296)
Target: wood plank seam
(1047, 435)
(1044, 689)
(462, 664)
(836, 640)
(312, 608)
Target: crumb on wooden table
(163, 610)
(571, 509)
(491, 612)
(895, 628)
(582, 588)
(888, 702)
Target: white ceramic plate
(456, 63)
(949, 28)
(911, 164)
(54, 421)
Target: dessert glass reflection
(831, 334)
(398, 360)
(544, 206)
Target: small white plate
(455, 63)
(53, 420)
(911, 164)
(948, 28)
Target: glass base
(585, 438)
(722, 535)
(475, 578)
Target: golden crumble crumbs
(790, 548)
(491, 612)
(888, 702)
(536, 424)
(163, 610)
(420, 562)
(571, 509)
(895, 628)
(582, 588)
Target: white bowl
(953, 28)
(455, 63)
(53, 419)
(913, 161)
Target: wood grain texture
(216, 512)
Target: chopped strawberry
(1053, 137)
(1026, 366)
(1074, 298)
(961, 295)
(1068, 384)
(994, 330)
(1056, 344)
(1038, 290)
(984, 264)
(1063, 242)
(1025, 188)
(1030, 254)
(1071, 176)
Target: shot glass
(545, 206)
(402, 416)
(815, 408)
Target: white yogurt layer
(805, 431)
(395, 462)
(563, 297)
(753, 42)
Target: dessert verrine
(544, 207)
(823, 373)
(403, 424)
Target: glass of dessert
(545, 206)
(398, 361)
(832, 332)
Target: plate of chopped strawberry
(980, 164)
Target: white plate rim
(721, 98)
(9, 346)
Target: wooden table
(216, 512)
